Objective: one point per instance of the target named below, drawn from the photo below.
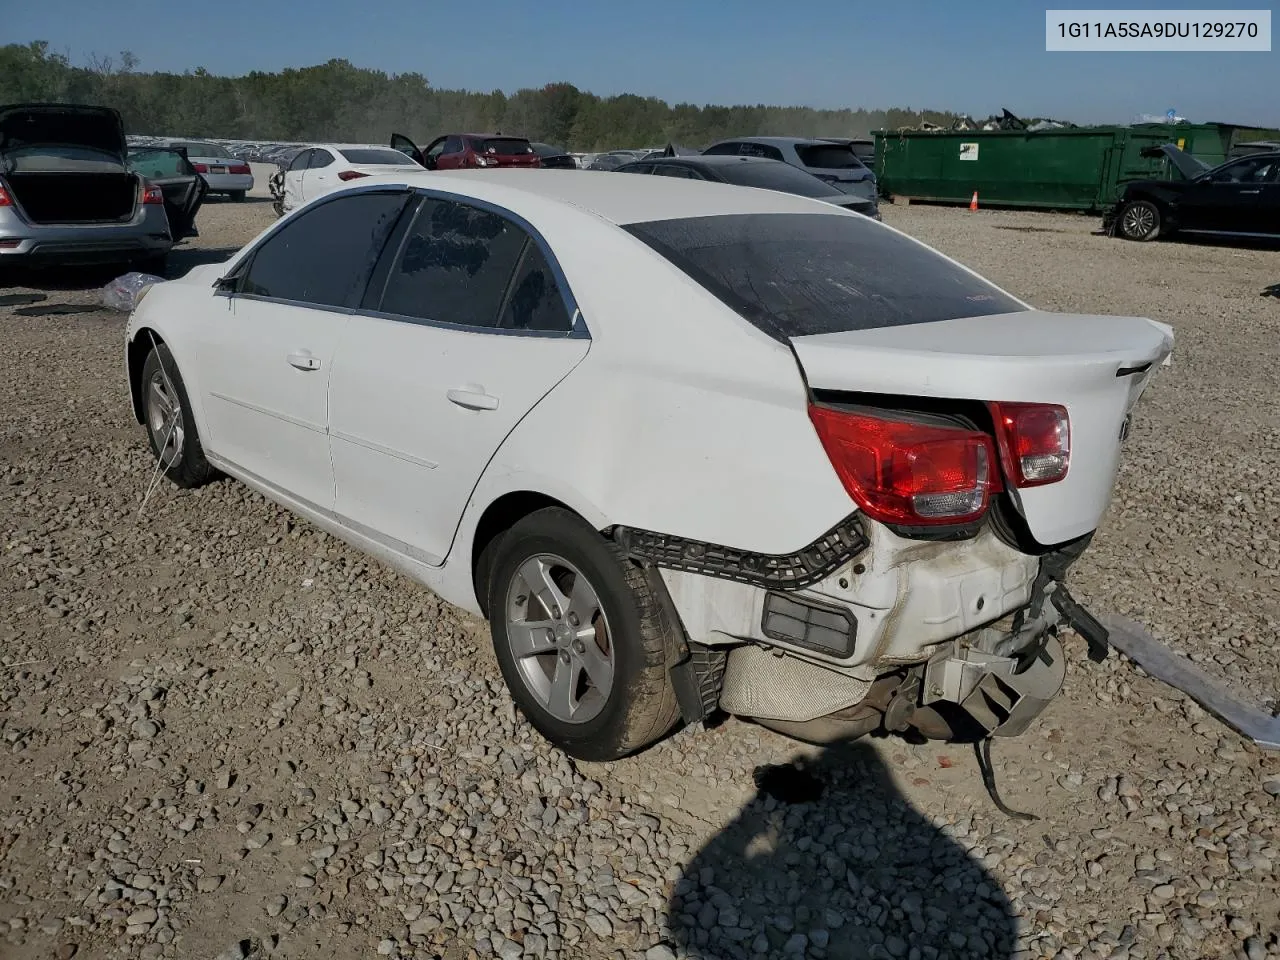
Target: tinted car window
(455, 266)
(502, 146)
(1252, 170)
(452, 145)
(760, 150)
(301, 161)
(158, 163)
(320, 158)
(722, 149)
(673, 170)
(535, 302)
(325, 255)
(373, 155)
(776, 176)
(795, 274)
(829, 156)
(636, 168)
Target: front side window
(301, 161)
(797, 274)
(325, 255)
(320, 158)
(1249, 170)
(455, 265)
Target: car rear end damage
(978, 441)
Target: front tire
(1140, 220)
(171, 429)
(581, 637)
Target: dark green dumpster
(1070, 168)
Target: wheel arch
(136, 351)
(501, 515)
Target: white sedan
(687, 446)
(327, 166)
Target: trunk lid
(1095, 366)
(68, 124)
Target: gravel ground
(227, 735)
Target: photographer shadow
(830, 860)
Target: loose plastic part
(123, 292)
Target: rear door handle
(304, 361)
(473, 399)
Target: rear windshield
(827, 156)
(58, 159)
(797, 274)
(774, 175)
(502, 146)
(199, 148)
(375, 155)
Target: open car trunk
(57, 197)
(65, 163)
(1095, 366)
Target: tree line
(342, 102)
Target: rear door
(293, 179)
(469, 327)
(266, 360)
(184, 189)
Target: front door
(293, 180)
(268, 355)
(406, 146)
(471, 332)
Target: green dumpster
(1070, 168)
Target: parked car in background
(554, 158)
(827, 161)
(459, 151)
(777, 459)
(68, 195)
(226, 174)
(863, 148)
(323, 167)
(753, 172)
(613, 160)
(1238, 198)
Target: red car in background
(456, 151)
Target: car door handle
(304, 361)
(473, 399)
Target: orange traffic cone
(973, 204)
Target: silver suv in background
(833, 162)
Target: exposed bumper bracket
(1137, 643)
(1082, 622)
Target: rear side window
(797, 274)
(675, 170)
(320, 158)
(455, 266)
(722, 149)
(373, 155)
(534, 302)
(828, 156)
(325, 255)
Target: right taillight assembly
(908, 473)
(1035, 441)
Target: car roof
(778, 141)
(619, 198)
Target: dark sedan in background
(753, 172)
(1238, 198)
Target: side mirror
(226, 285)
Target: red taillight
(239, 168)
(1035, 441)
(908, 473)
(152, 194)
(351, 175)
(201, 167)
(5, 199)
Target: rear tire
(171, 429)
(1140, 220)
(593, 678)
(237, 196)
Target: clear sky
(971, 57)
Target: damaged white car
(687, 446)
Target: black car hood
(1183, 162)
(71, 124)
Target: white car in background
(225, 173)
(326, 166)
(686, 445)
